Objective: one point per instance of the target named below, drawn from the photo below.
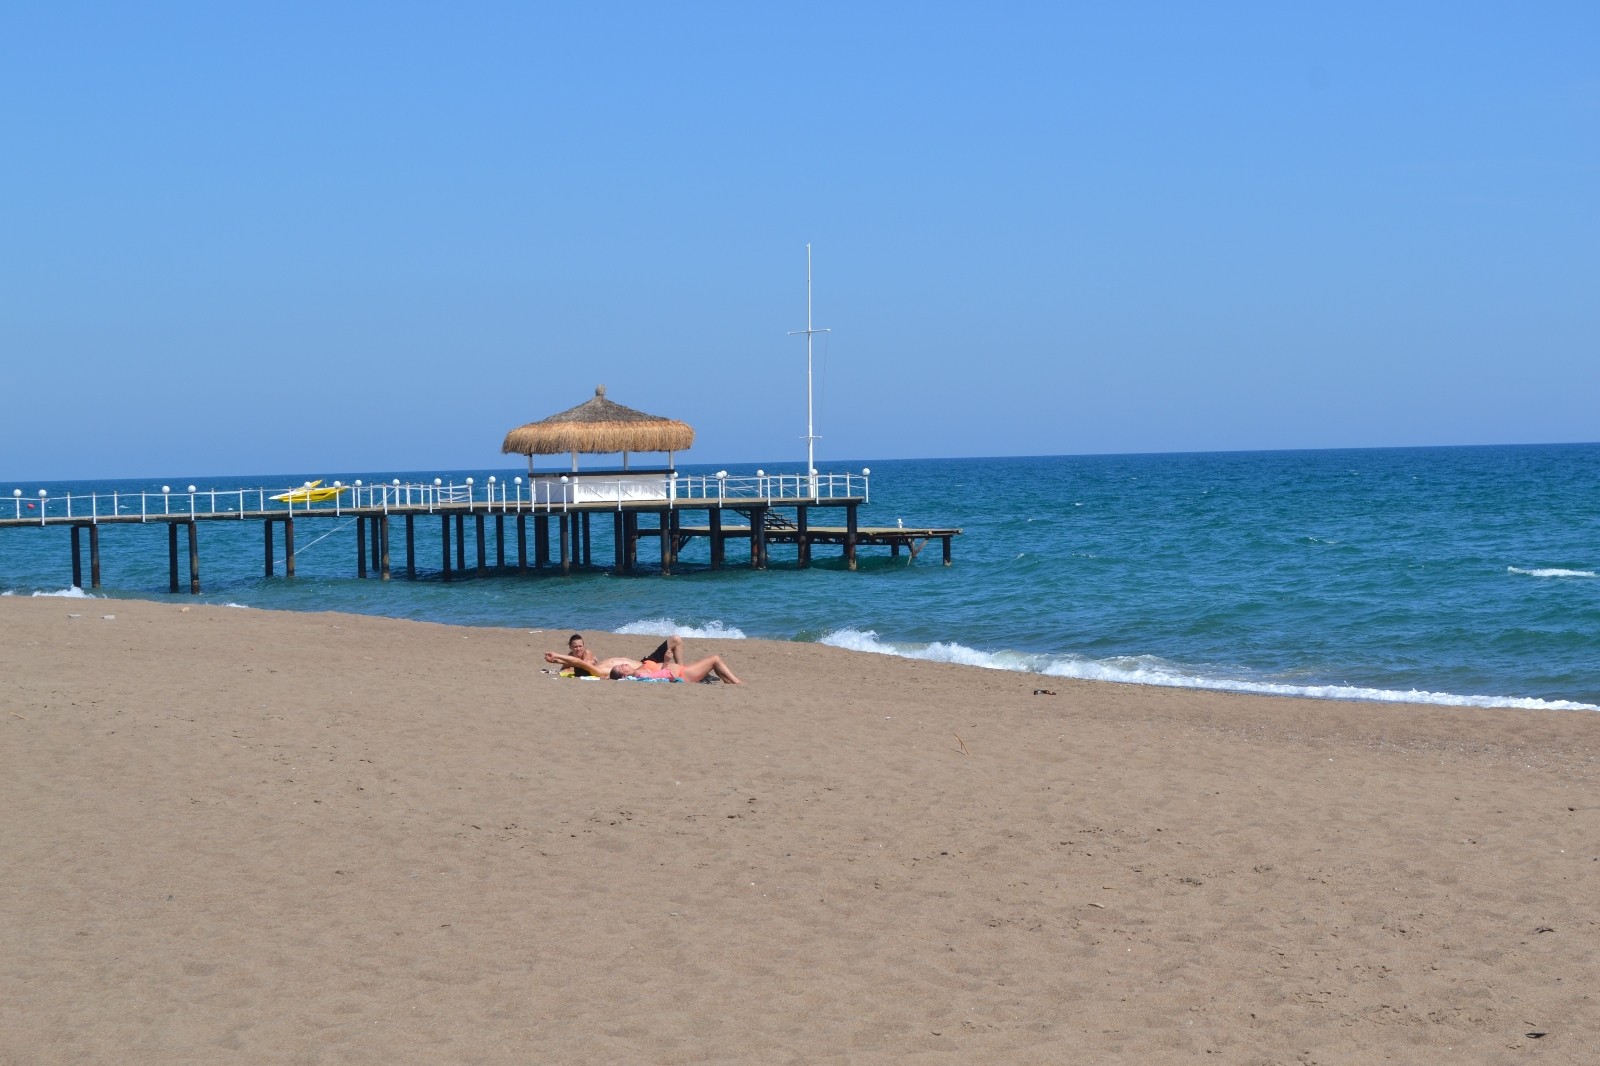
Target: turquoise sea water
(1449, 575)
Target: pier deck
(767, 511)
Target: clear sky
(334, 236)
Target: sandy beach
(245, 836)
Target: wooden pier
(561, 513)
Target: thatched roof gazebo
(599, 427)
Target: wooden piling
(194, 558)
(850, 530)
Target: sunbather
(695, 671)
(668, 651)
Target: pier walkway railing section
(493, 495)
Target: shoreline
(868, 644)
(351, 838)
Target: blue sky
(244, 238)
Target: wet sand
(246, 836)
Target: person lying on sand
(695, 671)
(648, 669)
(591, 666)
(668, 651)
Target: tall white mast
(811, 436)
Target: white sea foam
(71, 593)
(1151, 670)
(1551, 572)
(666, 627)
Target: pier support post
(411, 548)
(758, 538)
(564, 535)
(461, 543)
(94, 555)
(714, 522)
(587, 556)
(631, 533)
(288, 547)
(361, 546)
(194, 558)
(850, 535)
(619, 543)
(444, 536)
(478, 524)
(575, 533)
(541, 541)
(77, 559)
(946, 550)
(172, 556)
(666, 542)
(499, 542)
(803, 535)
(522, 543)
(266, 536)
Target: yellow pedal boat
(311, 492)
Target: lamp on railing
(866, 488)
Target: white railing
(547, 492)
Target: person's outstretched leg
(700, 670)
(668, 651)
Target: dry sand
(243, 836)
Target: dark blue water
(1453, 575)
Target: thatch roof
(599, 426)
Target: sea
(1454, 576)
